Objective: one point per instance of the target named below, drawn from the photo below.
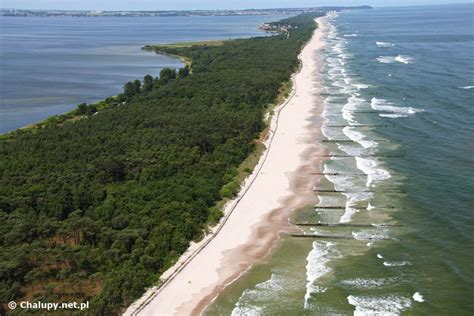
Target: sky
(202, 4)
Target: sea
(395, 214)
(48, 65)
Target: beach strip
(282, 181)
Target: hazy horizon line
(244, 9)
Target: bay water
(48, 65)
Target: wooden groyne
(362, 191)
(365, 112)
(336, 174)
(332, 207)
(363, 156)
(362, 125)
(350, 140)
(342, 174)
(347, 225)
(344, 207)
(321, 236)
(317, 236)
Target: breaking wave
(391, 59)
(396, 111)
(316, 267)
(418, 297)
(384, 44)
(379, 305)
(396, 263)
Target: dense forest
(96, 207)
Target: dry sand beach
(281, 182)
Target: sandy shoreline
(281, 182)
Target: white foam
(467, 87)
(339, 47)
(252, 300)
(270, 284)
(244, 306)
(365, 283)
(379, 256)
(370, 207)
(344, 56)
(396, 263)
(326, 200)
(391, 59)
(347, 216)
(344, 82)
(386, 59)
(387, 305)
(360, 86)
(384, 44)
(353, 198)
(358, 137)
(246, 311)
(404, 59)
(350, 149)
(418, 297)
(397, 111)
(353, 103)
(371, 168)
(392, 115)
(368, 235)
(316, 267)
(347, 114)
(341, 183)
(351, 35)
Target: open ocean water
(399, 111)
(48, 65)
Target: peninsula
(255, 218)
(97, 204)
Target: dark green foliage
(215, 215)
(81, 109)
(137, 85)
(96, 209)
(84, 109)
(166, 75)
(229, 190)
(147, 83)
(91, 109)
(183, 72)
(129, 90)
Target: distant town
(73, 13)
